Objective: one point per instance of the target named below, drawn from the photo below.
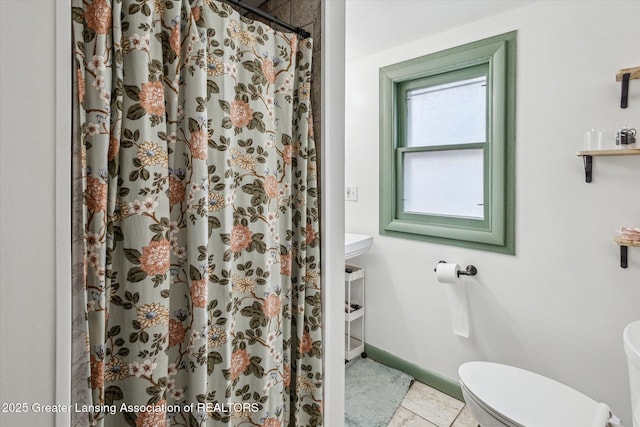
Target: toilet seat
(519, 398)
(488, 417)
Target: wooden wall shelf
(588, 155)
(625, 242)
(634, 73)
(613, 152)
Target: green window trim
(495, 232)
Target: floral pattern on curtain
(200, 216)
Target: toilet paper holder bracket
(471, 270)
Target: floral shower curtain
(200, 218)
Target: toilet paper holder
(471, 270)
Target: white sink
(356, 244)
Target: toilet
(500, 395)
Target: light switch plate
(351, 193)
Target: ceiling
(375, 25)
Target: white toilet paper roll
(447, 273)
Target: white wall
(27, 207)
(559, 306)
(332, 176)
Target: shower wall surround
(306, 14)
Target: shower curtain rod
(302, 33)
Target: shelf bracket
(624, 98)
(588, 168)
(623, 256)
(624, 76)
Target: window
(447, 129)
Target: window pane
(451, 113)
(448, 182)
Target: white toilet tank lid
(530, 399)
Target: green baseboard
(437, 381)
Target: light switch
(351, 193)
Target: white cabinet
(354, 311)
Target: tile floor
(424, 406)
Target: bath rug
(373, 393)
